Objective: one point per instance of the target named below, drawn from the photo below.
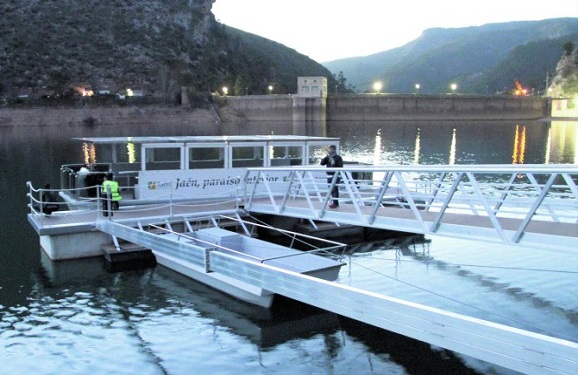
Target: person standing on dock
(110, 187)
(333, 160)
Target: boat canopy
(204, 152)
(150, 168)
(206, 139)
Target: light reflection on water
(473, 142)
(74, 317)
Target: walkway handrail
(228, 249)
(334, 244)
(508, 200)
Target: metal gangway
(446, 200)
(525, 205)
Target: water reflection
(519, 145)
(417, 148)
(432, 142)
(562, 143)
(377, 149)
(452, 160)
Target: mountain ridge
(161, 48)
(466, 55)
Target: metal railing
(329, 249)
(46, 200)
(534, 205)
(514, 204)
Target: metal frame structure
(528, 205)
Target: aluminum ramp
(522, 205)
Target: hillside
(484, 59)
(155, 47)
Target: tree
(341, 85)
(242, 84)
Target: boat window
(125, 153)
(247, 156)
(286, 155)
(160, 158)
(316, 153)
(206, 157)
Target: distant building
(312, 87)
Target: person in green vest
(115, 197)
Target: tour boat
(155, 169)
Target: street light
(377, 86)
(225, 90)
(417, 86)
(454, 86)
(270, 89)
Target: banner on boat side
(209, 183)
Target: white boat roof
(207, 139)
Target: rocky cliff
(142, 44)
(565, 81)
(52, 49)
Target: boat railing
(76, 200)
(46, 200)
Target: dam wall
(283, 114)
(381, 107)
(122, 120)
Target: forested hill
(154, 46)
(485, 59)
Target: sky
(327, 30)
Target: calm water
(75, 317)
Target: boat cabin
(183, 167)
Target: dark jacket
(332, 161)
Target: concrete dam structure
(309, 111)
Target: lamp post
(454, 86)
(270, 89)
(377, 87)
(225, 90)
(417, 86)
